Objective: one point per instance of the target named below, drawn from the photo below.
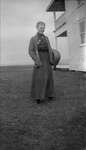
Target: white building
(70, 32)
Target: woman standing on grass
(42, 78)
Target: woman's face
(41, 28)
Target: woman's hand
(38, 63)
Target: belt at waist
(43, 50)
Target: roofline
(51, 2)
(56, 5)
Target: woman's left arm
(49, 43)
(50, 51)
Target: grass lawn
(56, 125)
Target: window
(82, 25)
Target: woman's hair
(40, 22)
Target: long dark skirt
(42, 79)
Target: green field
(56, 125)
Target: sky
(18, 21)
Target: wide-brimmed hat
(56, 57)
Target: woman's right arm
(32, 52)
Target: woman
(41, 52)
